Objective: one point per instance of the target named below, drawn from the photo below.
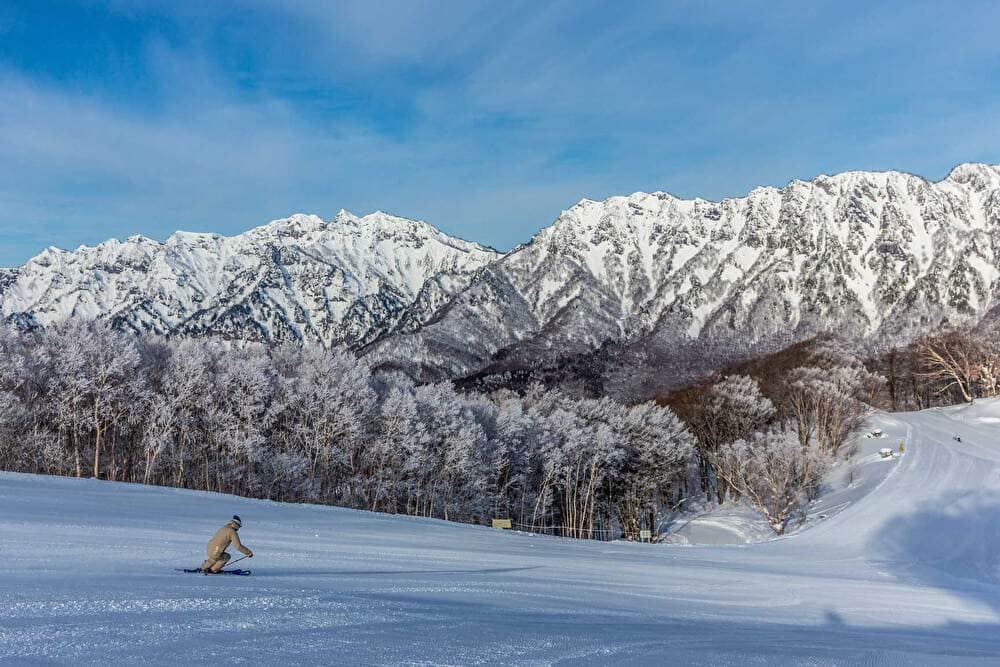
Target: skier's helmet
(237, 521)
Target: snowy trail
(908, 574)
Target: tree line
(305, 424)
(954, 365)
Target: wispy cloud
(485, 119)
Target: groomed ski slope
(908, 574)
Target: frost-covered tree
(773, 471)
(830, 397)
(730, 409)
(599, 462)
(658, 447)
(179, 411)
(242, 419)
(397, 451)
(324, 411)
(307, 424)
(111, 388)
(451, 464)
(515, 440)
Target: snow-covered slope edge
(847, 484)
(348, 281)
(880, 256)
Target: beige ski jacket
(223, 538)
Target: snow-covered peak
(879, 255)
(980, 176)
(192, 238)
(590, 222)
(348, 281)
(295, 226)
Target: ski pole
(237, 560)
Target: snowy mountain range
(348, 281)
(881, 256)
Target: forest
(306, 424)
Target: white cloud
(484, 118)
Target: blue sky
(485, 119)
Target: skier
(217, 556)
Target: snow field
(903, 570)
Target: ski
(239, 573)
